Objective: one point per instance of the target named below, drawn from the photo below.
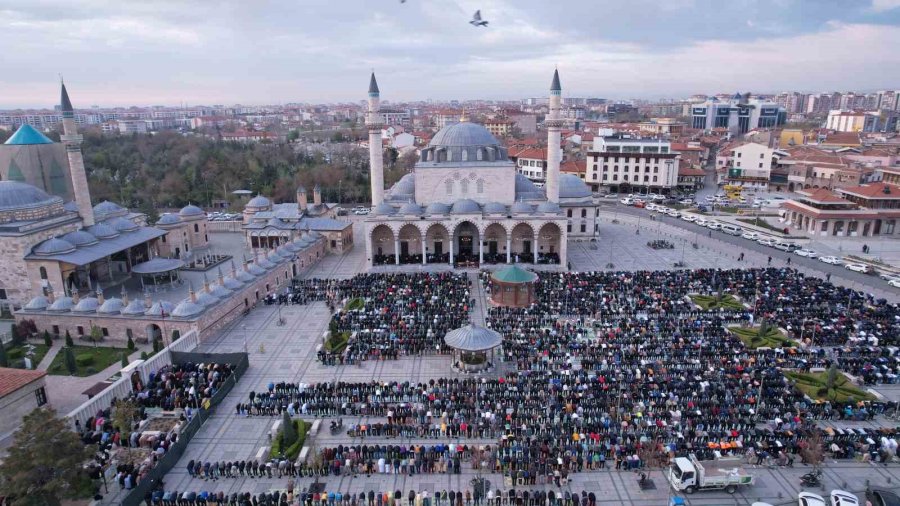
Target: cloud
(885, 5)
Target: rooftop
(14, 379)
(27, 135)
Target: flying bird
(476, 20)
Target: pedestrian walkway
(479, 309)
(48, 358)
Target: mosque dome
(160, 307)
(219, 291)
(526, 189)
(38, 303)
(27, 135)
(384, 209)
(86, 305)
(135, 307)
(548, 207)
(404, 188)
(259, 201)
(255, 269)
(463, 142)
(437, 208)
(18, 195)
(494, 208)
(463, 134)
(111, 306)
(62, 304)
(191, 210)
(465, 206)
(205, 299)
(571, 186)
(411, 208)
(80, 238)
(522, 207)
(186, 309)
(168, 219)
(313, 235)
(106, 208)
(122, 224)
(231, 283)
(265, 263)
(245, 276)
(102, 231)
(53, 246)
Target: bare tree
(814, 451)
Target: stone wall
(14, 276)
(16, 405)
(498, 184)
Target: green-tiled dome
(514, 274)
(27, 135)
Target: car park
(808, 253)
(766, 241)
(753, 236)
(863, 268)
(843, 498)
(810, 499)
(831, 260)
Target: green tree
(16, 335)
(4, 359)
(288, 432)
(157, 345)
(130, 343)
(69, 357)
(48, 341)
(44, 464)
(124, 359)
(69, 339)
(124, 416)
(96, 335)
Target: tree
(4, 359)
(157, 345)
(130, 343)
(96, 335)
(814, 451)
(124, 416)
(69, 339)
(124, 359)
(44, 464)
(70, 360)
(14, 334)
(288, 432)
(48, 341)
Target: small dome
(522, 207)
(526, 189)
(38, 303)
(571, 186)
(244, 276)
(218, 291)
(265, 263)
(437, 208)
(191, 210)
(187, 309)
(232, 284)
(405, 187)
(122, 224)
(102, 231)
(168, 219)
(106, 207)
(17, 195)
(80, 238)
(111, 306)
(411, 208)
(71, 206)
(159, 307)
(548, 207)
(135, 307)
(206, 299)
(465, 206)
(494, 208)
(259, 201)
(54, 246)
(255, 269)
(86, 305)
(313, 235)
(384, 209)
(62, 304)
(286, 250)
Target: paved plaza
(288, 353)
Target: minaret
(73, 141)
(554, 124)
(301, 199)
(376, 163)
(317, 194)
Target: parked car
(687, 202)
(767, 241)
(808, 253)
(810, 499)
(842, 498)
(887, 276)
(714, 225)
(701, 221)
(732, 229)
(688, 217)
(881, 497)
(673, 213)
(650, 206)
(628, 201)
(640, 204)
(895, 283)
(863, 268)
(831, 260)
(786, 246)
(753, 236)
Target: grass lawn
(354, 304)
(337, 343)
(293, 451)
(103, 357)
(774, 338)
(709, 302)
(813, 385)
(40, 350)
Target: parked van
(786, 246)
(732, 229)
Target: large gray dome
(16, 195)
(411, 208)
(571, 186)
(405, 188)
(106, 208)
(168, 219)
(522, 207)
(494, 208)
(191, 210)
(526, 189)
(463, 134)
(437, 208)
(465, 206)
(384, 209)
(259, 201)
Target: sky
(133, 52)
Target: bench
(262, 454)
(314, 428)
(304, 454)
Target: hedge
(355, 303)
(15, 353)
(774, 338)
(84, 359)
(812, 384)
(337, 343)
(293, 451)
(709, 302)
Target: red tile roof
(574, 166)
(532, 153)
(874, 191)
(14, 379)
(690, 171)
(823, 195)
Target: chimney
(100, 298)
(233, 269)
(147, 301)
(205, 283)
(191, 293)
(124, 296)
(221, 277)
(302, 202)
(317, 195)
(50, 295)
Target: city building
(852, 121)
(749, 165)
(625, 164)
(21, 391)
(738, 115)
(662, 127)
(466, 204)
(532, 163)
(499, 127)
(867, 210)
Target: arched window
(449, 185)
(465, 155)
(464, 186)
(449, 155)
(196, 228)
(480, 185)
(43, 273)
(479, 154)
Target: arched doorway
(437, 244)
(523, 243)
(382, 245)
(410, 244)
(466, 243)
(549, 238)
(153, 332)
(495, 244)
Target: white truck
(689, 474)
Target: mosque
(465, 204)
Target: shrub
(4, 358)
(124, 359)
(69, 357)
(84, 359)
(293, 451)
(130, 343)
(69, 342)
(15, 353)
(157, 345)
(47, 339)
(144, 355)
(90, 370)
(17, 337)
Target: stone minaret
(301, 199)
(317, 195)
(376, 163)
(73, 141)
(554, 124)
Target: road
(864, 282)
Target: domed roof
(514, 274)
(27, 135)
(191, 210)
(206, 299)
(135, 307)
(411, 208)
(465, 206)
(463, 134)
(526, 189)
(384, 209)
(494, 208)
(111, 306)
(80, 238)
(244, 276)
(548, 207)
(259, 201)
(255, 269)
(437, 208)
(159, 307)
(219, 291)
(265, 263)
(38, 303)
(121, 224)
(102, 231)
(168, 219)
(232, 284)
(473, 338)
(186, 309)
(571, 186)
(62, 304)
(53, 246)
(18, 195)
(86, 305)
(107, 207)
(522, 207)
(313, 235)
(406, 186)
